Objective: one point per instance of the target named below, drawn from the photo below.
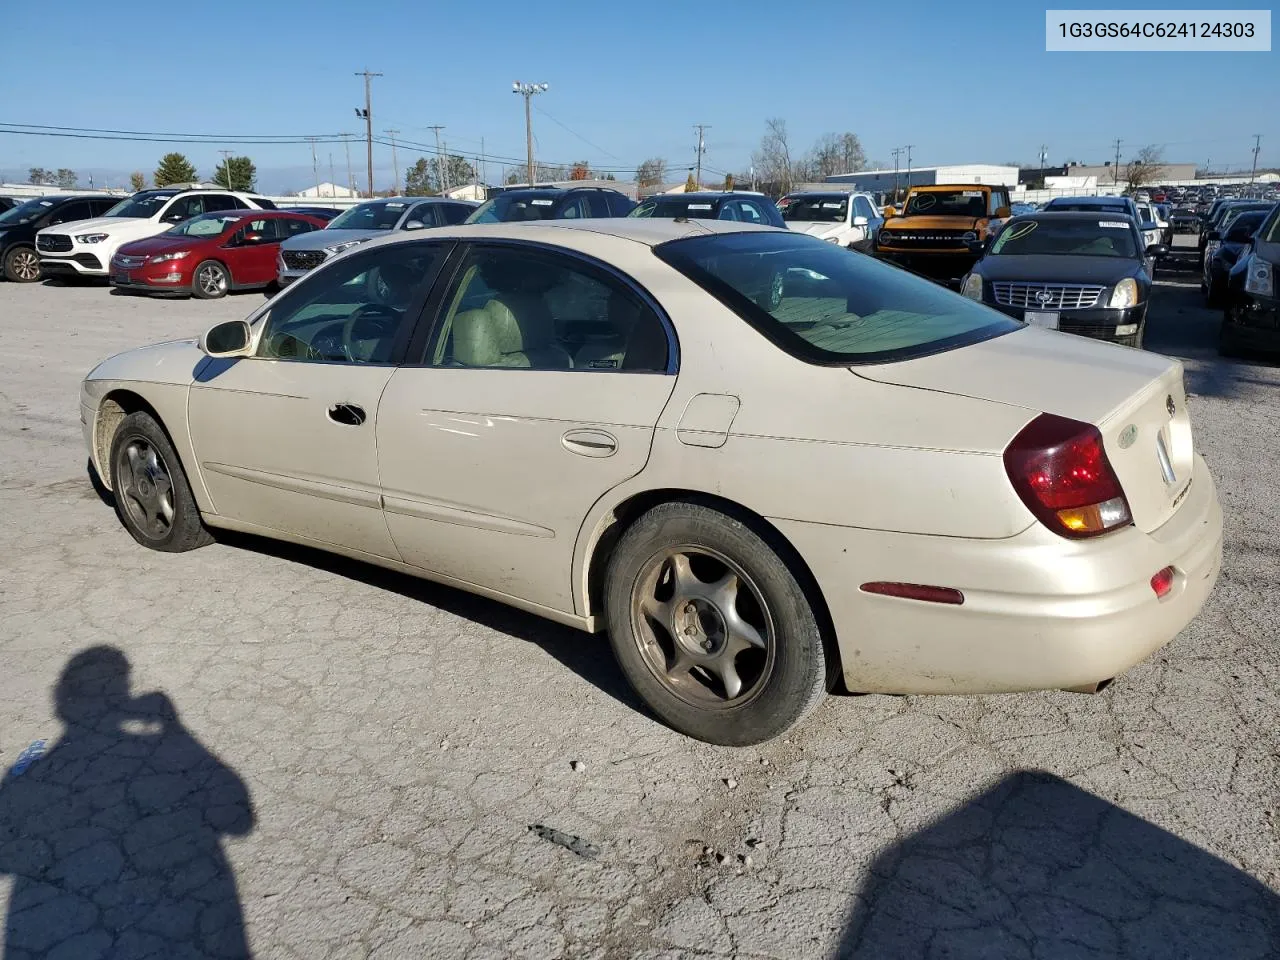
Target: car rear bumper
(1039, 611)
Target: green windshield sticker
(1016, 232)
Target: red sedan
(210, 255)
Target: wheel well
(113, 408)
(630, 510)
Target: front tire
(21, 265)
(153, 498)
(210, 281)
(711, 627)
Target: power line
(578, 135)
(283, 137)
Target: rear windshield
(1068, 238)
(677, 206)
(817, 210)
(369, 216)
(828, 305)
(947, 203)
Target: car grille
(88, 260)
(53, 243)
(1047, 296)
(302, 259)
(926, 238)
(126, 262)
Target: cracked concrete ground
(255, 747)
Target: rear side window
(214, 202)
(455, 212)
(263, 203)
(828, 305)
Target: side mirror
(1213, 235)
(1003, 213)
(859, 221)
(414, 225)
(1157, 250)
(252, 238)
(229, 339)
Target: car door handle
(347, 414)
(590, 443)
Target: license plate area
(1040, 318)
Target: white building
(327, 191)
(881, 181)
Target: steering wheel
(379, 321)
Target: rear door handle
(347, 414)
(590, 443)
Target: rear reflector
(1162, 582)
(914, 591)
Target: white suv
(85, 247)
(848, 218)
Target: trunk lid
(1125, 393)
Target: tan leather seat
(495, 336)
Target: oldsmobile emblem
(1127, 436)
(1170, 405)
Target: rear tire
(21, 265)
(210, 281)
(711, 627)
(152, 496)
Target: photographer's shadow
(113, 838)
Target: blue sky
(962, 82)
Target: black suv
(741, 206)
(552, 203)
(18, 227)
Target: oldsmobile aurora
(760, 462)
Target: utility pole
(896, 152)
(908, 149)
(482, 178)
(527, 90)
(395, 164)
(753, 178)
(315, 167)
(332, 176)
(368, 119)
(1115, 171)
(226, 167)
(1043, 154)
(702, 148)
(442, 175)
(1257, 148)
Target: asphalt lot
(323, 759)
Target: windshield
(832, 209)
(675, 207)
(948, 203)
(506, 207)
(24, 213)
(828, 305)
(1067, 238)
(1234, 213)
(141, 205)
(380, 215)
(205, 225)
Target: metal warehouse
(882, 181)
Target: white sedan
(760, 462)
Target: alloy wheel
(145, 488)
(703, 627)
(26, 265)
(212, 280)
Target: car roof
(695, 194)
(1091, 201)
(1061, 215)
(649, 231)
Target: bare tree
(1145, 168)
(773, 160)
(836, 153)
(652, 172)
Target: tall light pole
(442, 174)
(527, 90)
(351, 180)
(367, 114)
(395, 164)
(1257, 148)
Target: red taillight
(1162, 582)
(914, 591)
(1061, 472)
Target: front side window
(998, 200)
(1071, 238)
(508, 208)
(828, 305)
(862, 208)
(425, 214)
(455, 212)
(23, 213)
(70, 212)
(513, 309)
(354, 311)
